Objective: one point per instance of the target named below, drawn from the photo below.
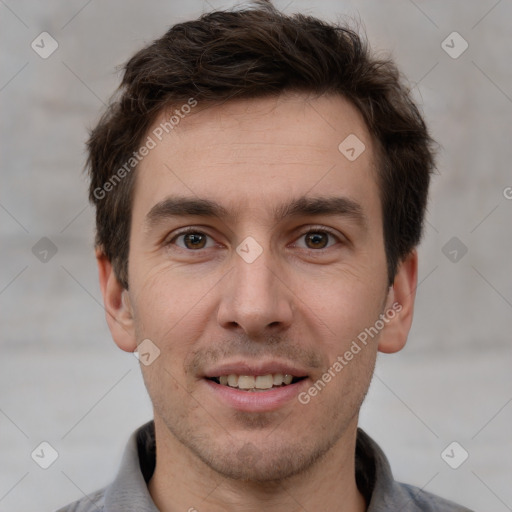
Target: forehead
(253, 154)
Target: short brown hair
(254, 53)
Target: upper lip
(256, 368)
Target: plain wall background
(62, 379)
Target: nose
(255, 298)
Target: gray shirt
(129, 491)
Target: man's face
(215, 306)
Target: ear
(118, 309)
(400, 306)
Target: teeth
(246, 381)
(264, 382)
(250, 382)
(278, 379)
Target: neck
(181, 481)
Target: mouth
(256, 383)
(255, 386)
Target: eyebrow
(180, 206)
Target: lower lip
(256, 401)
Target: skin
(298, 302)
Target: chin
(261, 462)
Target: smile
(256, 382)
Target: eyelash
(313, 229)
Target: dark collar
(129, 491)
(365, 458)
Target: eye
(191, 239)
(317, 239)
(194, 240)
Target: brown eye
(317, 240)
(192, 240)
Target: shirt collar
(129, 491)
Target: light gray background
(62, 379)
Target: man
(260, 184)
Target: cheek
(172, 321)
(169, 303)
(344, 306)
